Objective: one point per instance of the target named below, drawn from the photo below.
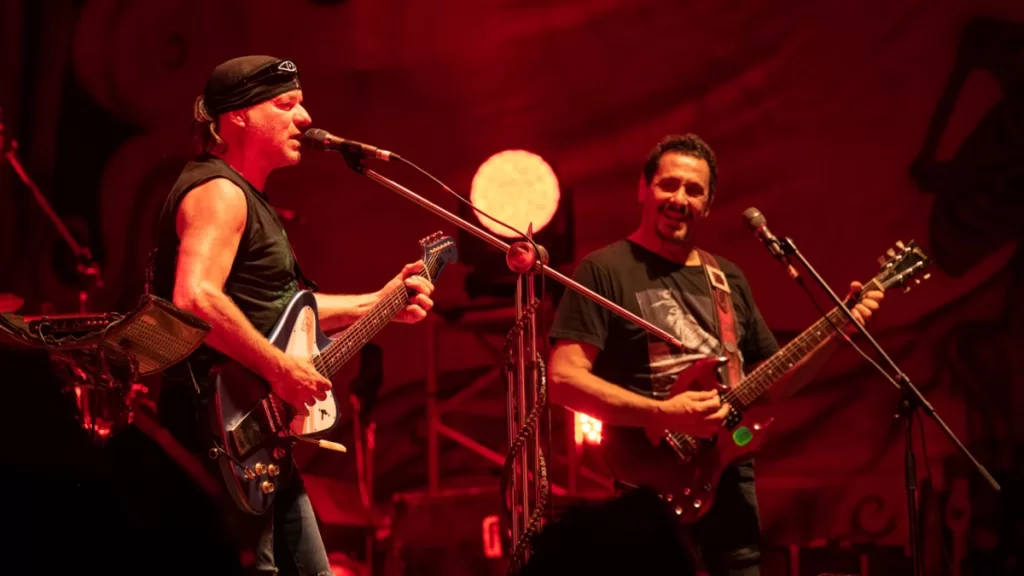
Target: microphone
(324, 140)
(756, 221)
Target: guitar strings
(340, 351)
(756, 383)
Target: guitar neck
(345, 346)
(772, 370)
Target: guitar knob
(273, 470)
(679, 510)
(707, 487)
(260, 468)
(668, 497)
(279, 453)
(686, 491)
(267, 486)
(697, 503)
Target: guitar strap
(305, 282)
(721, 296)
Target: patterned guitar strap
(725, 318)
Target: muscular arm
(574, 385)
(209, 223)
(337, 311)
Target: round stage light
(518, 188)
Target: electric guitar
(254, 428)
(685, 470)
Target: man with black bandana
(223, 254)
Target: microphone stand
(910, 401)
(86, 266)
(525, 371)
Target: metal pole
(522, 408)
(513, 407)
(433, 415)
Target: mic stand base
(911, 400)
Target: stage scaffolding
(489, 324)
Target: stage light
(588, 429)
(518, 188)
(492, 537)
(522, 189)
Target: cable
(845, 337)
(445, 187)
(528, 431)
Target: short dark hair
(688, 144)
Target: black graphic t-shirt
(671, 296)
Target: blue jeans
(727, 539)
(285, 540)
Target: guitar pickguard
(302, 342)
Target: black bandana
(247, 81)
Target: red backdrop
(818, 112)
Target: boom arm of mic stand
(504, 247)
(915, 396)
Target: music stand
(106, 355)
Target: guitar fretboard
(341, 350)
(770, 371)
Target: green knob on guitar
(742, 436)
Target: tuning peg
(899, 245)
(882, 260)
(926, 276)
(906, 289)
(890, 253)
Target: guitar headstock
(438, 252)
(900, 265)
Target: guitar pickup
(255, 428)
(682, 447)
